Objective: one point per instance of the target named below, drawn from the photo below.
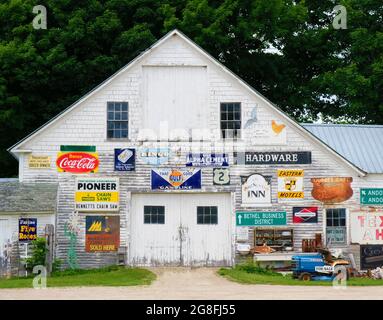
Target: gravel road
(199, 283)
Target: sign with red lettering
(367, 227)
(78, 160)
(102, 233)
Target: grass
(108, 276)
(250, 273)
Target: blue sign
(124, 159)
(154, 156)
(176, 179)
(207, 160)
(27, 229)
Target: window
(336, 231)
(117, 120)
(154, 215)
(231, 120)
(207, 215)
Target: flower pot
(332, 189)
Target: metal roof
(360, 144)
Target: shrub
(38, 254)
(251, 267)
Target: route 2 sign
(221, 176)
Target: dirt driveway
(200, 283)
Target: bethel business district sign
(265, 218)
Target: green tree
(286, 49)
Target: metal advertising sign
(367, 227)
(371, 196)
(305, 214)
(263, 218)
(371, 256)
(207, 160)
(27, 229)
(174, 179)
(290, 184)
(102, 233)
(256, 190)
(283, 157)
(124, 159)
(39, 162)
(154, 156)
(97, 194)
(221, 176)
(77, 159)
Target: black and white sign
(284, 157)
(371, 256)
(207, 160)
(256, 191)
(221, 176)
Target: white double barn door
(181, 240)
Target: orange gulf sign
(77, 162)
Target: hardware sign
(285, 157)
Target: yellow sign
(39, 162)
(290, 184)
(97, 194)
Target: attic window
(231, 120)
(117, 120)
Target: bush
(39, 251)
(251, 267)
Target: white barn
(175, 207)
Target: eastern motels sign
(97, 194)
(102, 233)
(77, 159)
(290, 184)
(283, 157)
(367, 227)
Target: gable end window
(118, 122)
(230, 115)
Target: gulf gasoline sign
(97, 194)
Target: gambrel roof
(18, 147)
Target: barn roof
(18, 197)
(360, 144)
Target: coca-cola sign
(77, 162)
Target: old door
(180, 229)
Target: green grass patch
(109, 276)
(251, 273)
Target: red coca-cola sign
(77, 162)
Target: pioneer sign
(285, 157)
(97, 194)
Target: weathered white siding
(86, 125)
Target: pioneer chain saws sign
(97, 194)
